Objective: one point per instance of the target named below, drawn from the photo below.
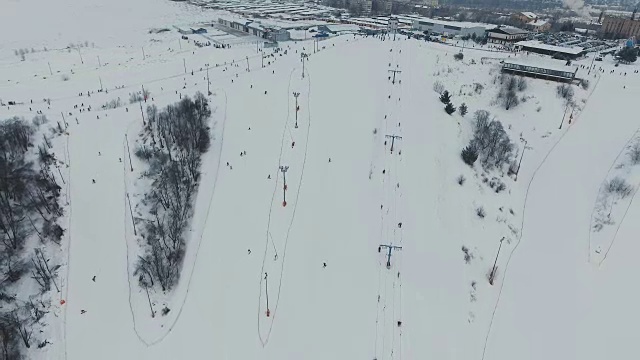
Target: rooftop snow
(544, 63)
(538, 45)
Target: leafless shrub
(619, 187)
(634, 153)
(461, 179)
(565, 91)
(480, 212)
(522, 83)
(438, 87)
(468, 255)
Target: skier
(82, 311)
(293, 143)
(99, 153)
(269, 177)
(329, 159)
(120, 159)
(384, 171)
(324, 265)
(248, 251)
(400, 225)
(93, 180)
(94, 278)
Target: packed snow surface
(318, 258)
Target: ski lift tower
(390, 248)
(392, 26)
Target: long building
(618, 27)
(551, 50)
(541, 71)
(450, 27)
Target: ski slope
(348, 192)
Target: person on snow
(93, 180)
(324, 265)
(293, 143)
(269, 177)
(93, 278)
(248, 251)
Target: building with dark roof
(506, 35)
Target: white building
(450, 27)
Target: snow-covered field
(330, 293)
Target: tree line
(29, 211)
(173, 142)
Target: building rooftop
(462, 24)
(561, 49)
(529, 14)
(543, 64)
(510, 30)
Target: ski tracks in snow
(388, 334)
(282, 215)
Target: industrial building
(256, 28)
(618, 27)
(450, 27)
(540, 71)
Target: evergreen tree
(450, 109)
(469, 155)
(445, 98)
(463, 109)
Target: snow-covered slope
(548, 299)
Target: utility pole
(492, 275)
(142, 113)
(99, 78)
(257, 47)
(262, 60)
(153, 313)
(390, 248)
(295, 95)
(80, 53)
(128, 151)
(394, 75)
(63, 120)
(131, 212)
(393, 139)
(266, 291)
(284, 188)
(591, 65)
(184, 64)
(303, 56)
(247, 64)
(50, 72)
(208, 82)
(143, 55)
(522, 156)
(144, 96)
(99, 63)
(563, 116)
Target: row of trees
(28, 208)
(174, 140)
